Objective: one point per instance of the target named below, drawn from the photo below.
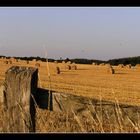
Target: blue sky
(94, 33)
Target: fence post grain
(20, 85)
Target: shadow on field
(43, 100)
(120, 73)
(83, 69)
(69, 74)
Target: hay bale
(108, 65)
(63, 62)
(121, 66)
(12, 59)
(5, 62)
(37, 65)
(10, 62)
(57, 70)
(111, 70)
(128, 66)
(137, 65)
(94, 63)
(34, 60)
(55, 62)
(68, 67)
(74, 67)
(27, 62)
(102, 64)
(69, 62)
(39, 60)
(16, 60)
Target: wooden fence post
(20, 86)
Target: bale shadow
(44, 99)
(69, 74)
(83, 69)
(120, 73)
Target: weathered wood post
(20, 87)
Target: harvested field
(94, 83)
(88, 81)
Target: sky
(94, 33)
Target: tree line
(129, 60)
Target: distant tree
(67, 59)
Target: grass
(72, 121)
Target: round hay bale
(37, 65)
(74, 67)
(128, 66)
(55, 62)
(5, 62)
(34, 60)
(57, 70)
(68, 67)
(94, 63)
(39, 60)
(121, 66)
(63, 62)
(137, 65)
(102, 64)
(108, 65)
(111, 70)
(12, 59)
(16, 60)
(10, 62)
(69, 62)
(27, 62)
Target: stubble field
(88, 80)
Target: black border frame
(69, 3)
